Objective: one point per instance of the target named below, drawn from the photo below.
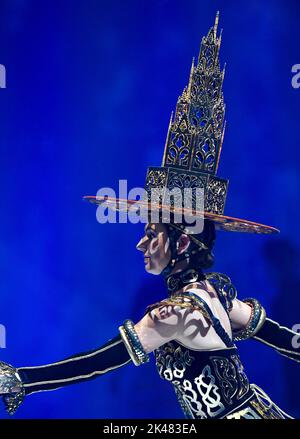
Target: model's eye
(150, 234)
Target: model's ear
(182, 243)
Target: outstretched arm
(249, 321)
(133, 344)
(284, 340)
(16, 383)
(75, 369)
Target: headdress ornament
(192, 151)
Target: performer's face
(155, 245)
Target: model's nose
(141, 245)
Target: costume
(213, 384)
(208, 384)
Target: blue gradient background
(90, 88)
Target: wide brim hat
(143, 208)
(192, 153)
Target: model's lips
(146, 258)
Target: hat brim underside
(222, 222)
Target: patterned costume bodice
(208, 384)
(211, 384)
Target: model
(192, 332)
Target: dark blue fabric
(282, 339)
(78, 370)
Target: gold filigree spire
(195, 136)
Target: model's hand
(11, 387)
(9, 379)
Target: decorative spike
(216, 24)
(223, 72)
(220, 38)
(224, 69)
(195, 143)
(196, 131)
(222, 79)
(166, 144)
(191, 79)
(221, 144)
(201, 45)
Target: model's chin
(156, 269)
(148, 267)
(152, 270)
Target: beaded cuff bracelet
(133, 344)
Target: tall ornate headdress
(193, 148)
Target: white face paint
(156, 248)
